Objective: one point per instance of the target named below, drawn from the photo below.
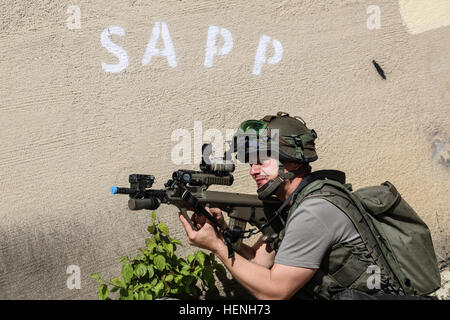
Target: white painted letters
(260, 57)
(211, 48)
(160, 29)
(119, 52)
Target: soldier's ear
(289, 166)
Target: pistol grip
(186, 216)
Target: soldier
(319, 250)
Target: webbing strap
(349, 272)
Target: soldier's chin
(259, 184)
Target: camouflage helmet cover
(294, 142)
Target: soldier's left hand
(206, 237)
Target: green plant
(158, 272)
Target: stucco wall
(70, 130)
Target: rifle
(187, 190)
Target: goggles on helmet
(252, 142)
(256, 125)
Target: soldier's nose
(254, 169)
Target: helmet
(280, 135)
(296, 141)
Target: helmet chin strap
(272, 186)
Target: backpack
(404, 238)
(390, 226)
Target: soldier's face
(263, 170)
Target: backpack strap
(307, 186)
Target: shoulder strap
(336, 175)
(313, 182)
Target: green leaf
(148, 296)
(151, 272)
(182, 262)
(190, 258)
(175, 241)
(151, 247)
(162, 247)
(152, 229)
(197, 270)
(125, 258)
(126, 294)
(160, 262)
(208, 276)
(169, 248)
(119, 283)
(220, 268)
(140, 285)
(95, 276)
(153, 216)
(169, 278)
(127, 272)
(140, 270)
(103, 292)
(163, 228)
(114, 289)
(178, 278)
(200, 256)
(154, 282)
(158, 287)
(141, 295)
(186, 270)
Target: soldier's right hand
(218, 214)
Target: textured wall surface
(69, 130)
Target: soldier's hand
(198, 221)
(218, 214)
(205, 238)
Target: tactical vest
(351, 265)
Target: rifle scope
(198, 178)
